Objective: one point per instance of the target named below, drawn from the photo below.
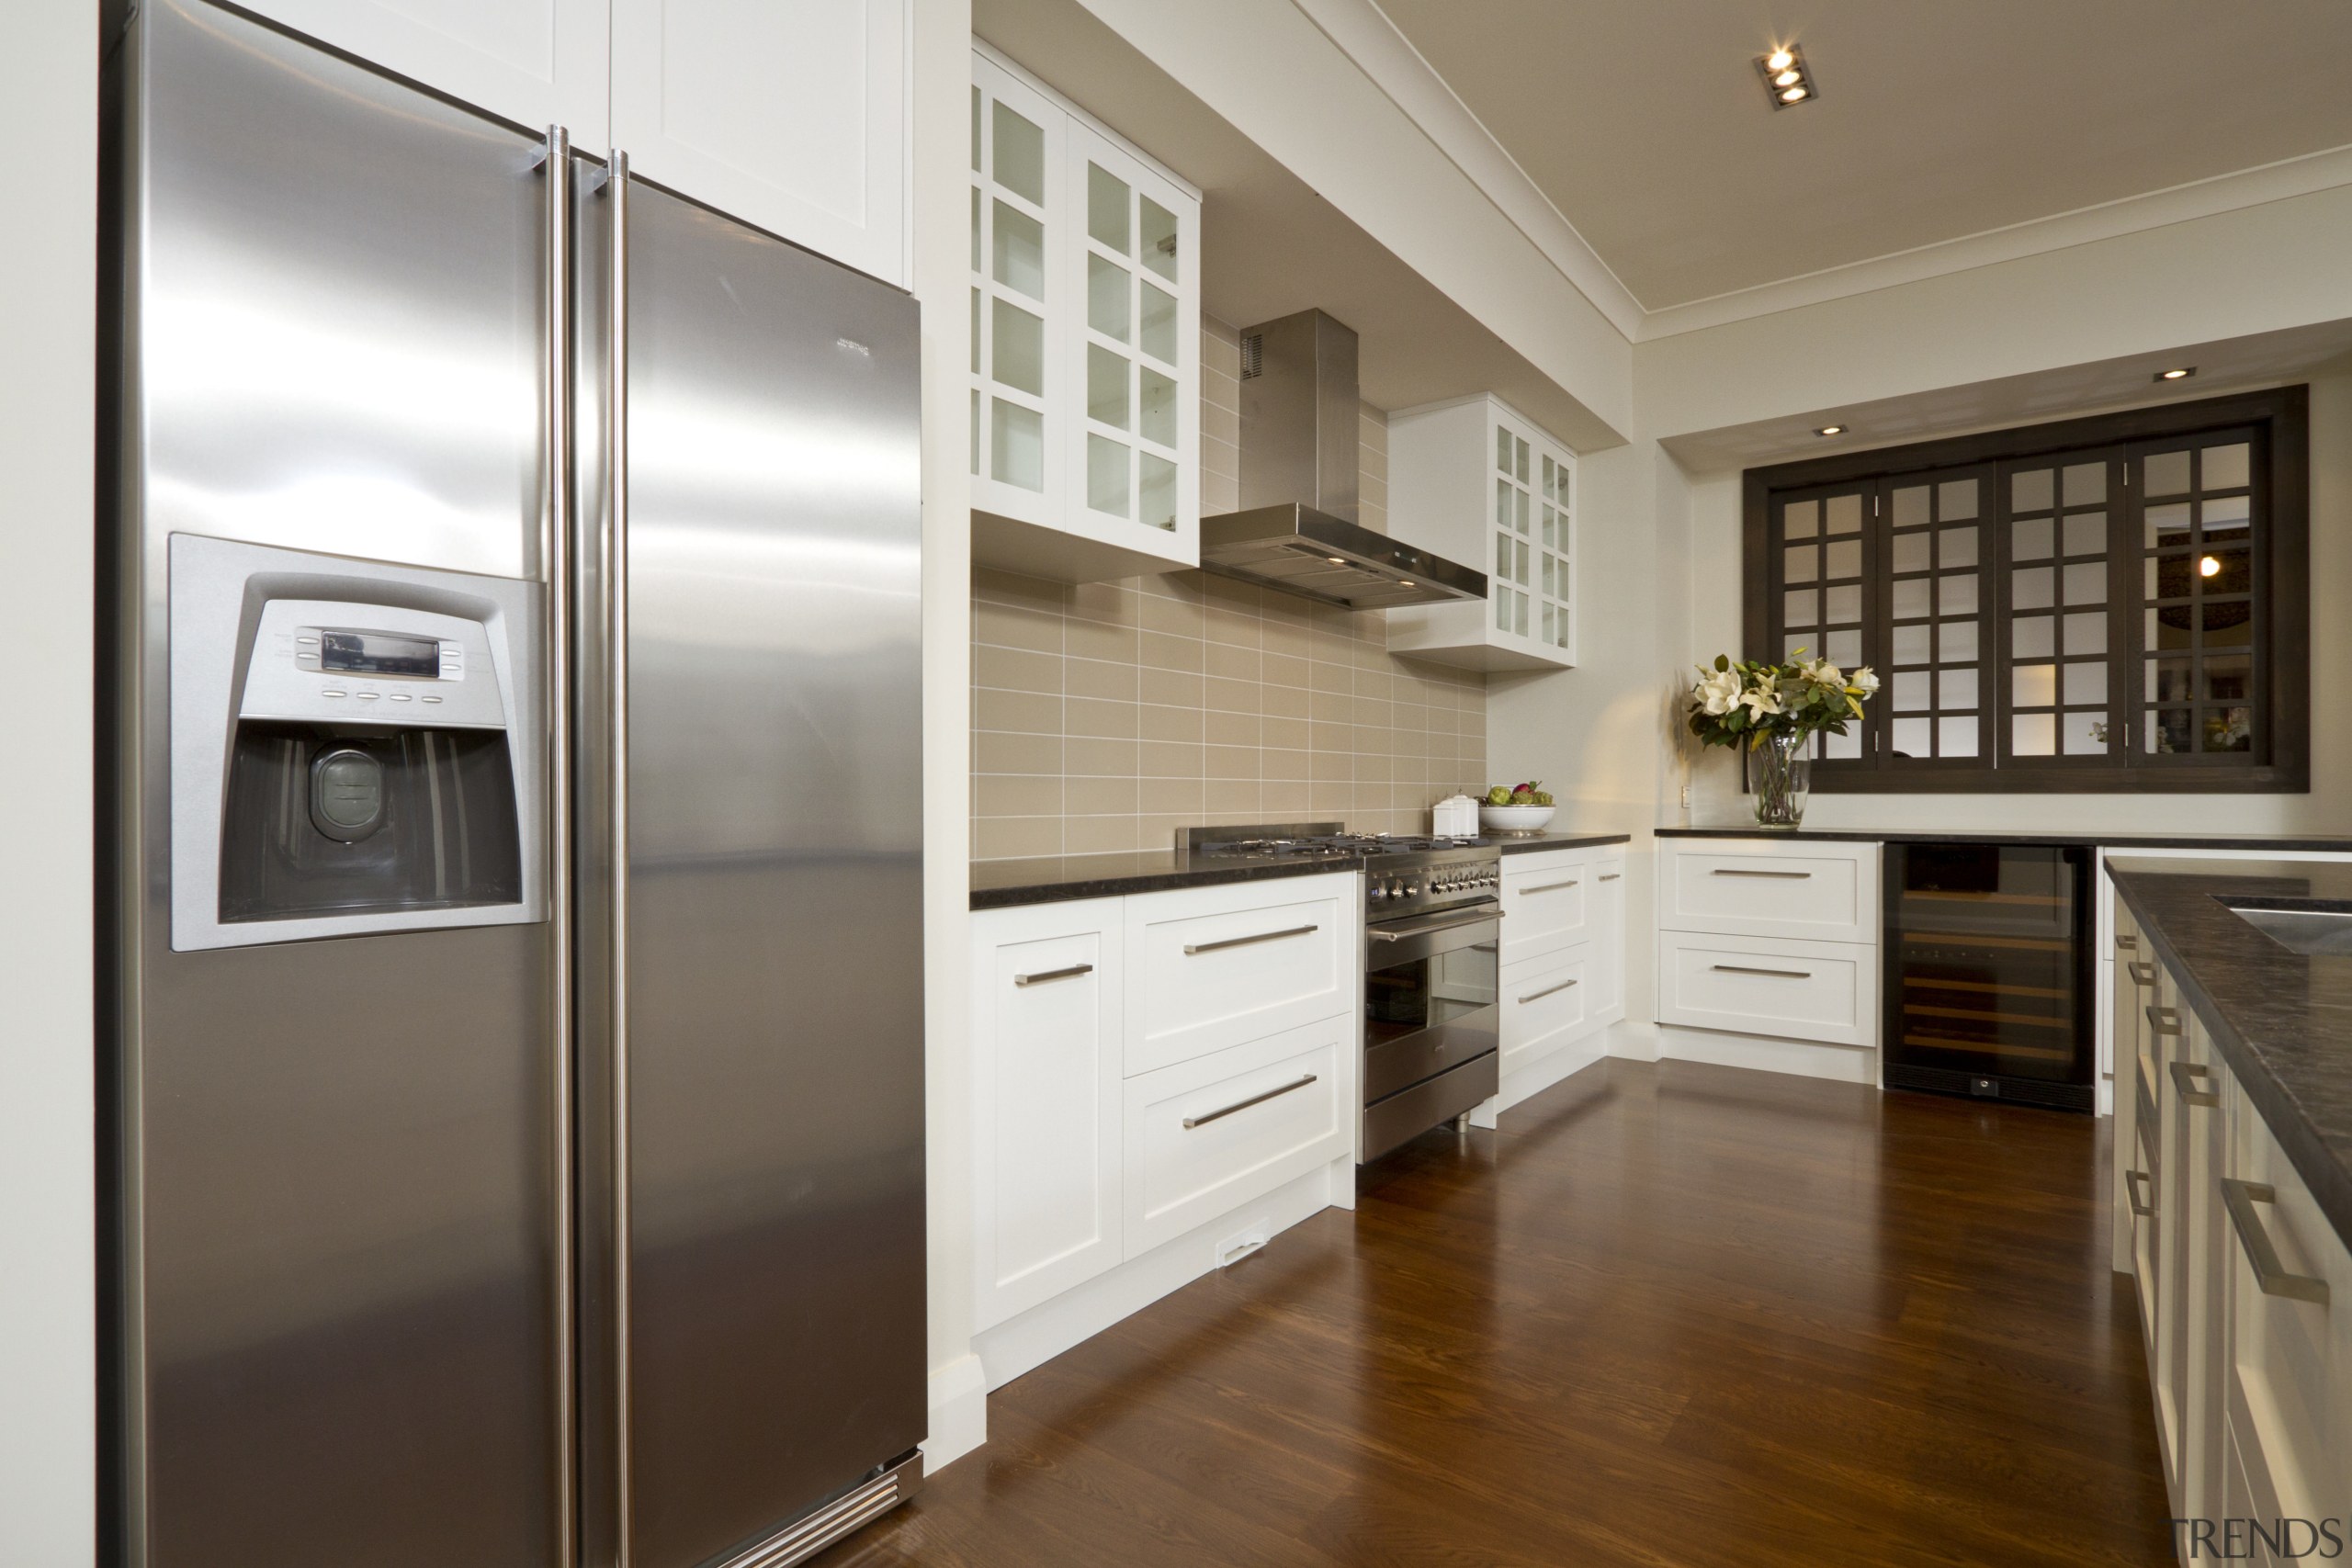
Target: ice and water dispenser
(356, 746)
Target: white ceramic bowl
(1515, 818)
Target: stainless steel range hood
(1297, 529)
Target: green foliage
(1743, 702)
(1527, 793)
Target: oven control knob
(1377, 892)
(1412, 888)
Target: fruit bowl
(1515, 818)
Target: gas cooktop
(1307, 840)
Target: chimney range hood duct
(1298, 528)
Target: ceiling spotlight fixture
(2178, 373)
(1786, 77)
(1336, 560)
(1831, 430)
(2208, 566)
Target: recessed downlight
(2208, 566)
(1787, 77)
(1336, 560)
(1830, 430)
(2178, 373)
(1406, 583)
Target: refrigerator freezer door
(774, 1277)
(340, 1162)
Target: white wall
(1600, 736)
(943, 78)
(1715, 612)
(47, 1346)
(2259, 269)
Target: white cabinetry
(1473, 480)
(789, 114)
(1768, 954)
(537, 62)
(1563, 958)
(1142, 1066)
(1046, 1017)
(1085, 355)
(2244, 1287)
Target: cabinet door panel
(536, 62)
(1608, 926)
(789, 114)
(1046, 1123)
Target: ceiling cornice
(1364, 33)
(2231, 192)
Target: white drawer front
(1796, 990)
(1813, 893)
(1547, 905)
(1547, 1003)
(1260, 1114)
(1047, 1102)
(1218, 966)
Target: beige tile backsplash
(1108, 715)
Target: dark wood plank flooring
(1668, 1315)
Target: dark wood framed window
(2117, 604)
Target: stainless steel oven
(1430, 1018)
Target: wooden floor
(1669, 1314)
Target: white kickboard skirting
(1804, 1058)
(960, 1412)
(1534, 1078)
(1024, 1343)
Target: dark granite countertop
(2254, 843)
(2282, 1021)
(1052, 879)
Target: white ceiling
(1644, 123)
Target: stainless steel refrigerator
(517, 1040)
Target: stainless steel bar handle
(1045, 975)
(1476, 918)
(2239, 1198)
(2183, 1075)
(1546, 991)
(1548, 887)
(2132, 1194)
(2127, 943)
(2164, 1020)
(555, 558)
(2142, 973)
(1193, 1121)
(1738, 870)
(1784, 974)
(616, 544)
(1199, 947)
(1610, 875)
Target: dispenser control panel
(313, 660)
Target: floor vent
(2020, 1092)
(844, 1515)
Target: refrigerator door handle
(615, 608)
(555, 561)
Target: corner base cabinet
(1145, 1066)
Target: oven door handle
(1456, 924)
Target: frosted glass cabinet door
(537, 62)
(1134, 358)
(1022, 300)
(787, 114)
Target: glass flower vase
(1781, 775)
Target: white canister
(1456, 817)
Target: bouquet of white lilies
(1746, 702)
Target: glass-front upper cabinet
(1476, 481)
(1085, 341)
